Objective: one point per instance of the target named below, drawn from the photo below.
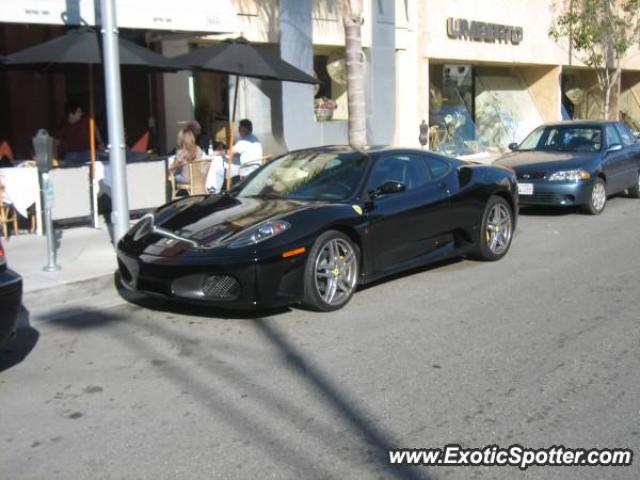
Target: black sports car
(313, 224)
(10, 299)
(576, 163)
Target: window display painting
(452, 130)
(505, 111)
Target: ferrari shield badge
(357, 209)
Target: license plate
(525, 188)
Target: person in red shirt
(73, 136)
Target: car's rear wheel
(331, 272)
(497, 230)
(634, 191)
(597, 199)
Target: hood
(546, 161)
(206, 220)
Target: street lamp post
(113, 90)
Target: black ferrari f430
(312, 225)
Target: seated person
(248, 149)
(74, 136)
(187, 151)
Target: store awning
(202, 16)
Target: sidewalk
(84, 253)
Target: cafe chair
(8, 215)
(198, 171)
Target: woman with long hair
(187, 151)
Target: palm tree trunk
(352, 18)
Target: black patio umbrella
(82, 48)
(238, 57)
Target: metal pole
(113, 90)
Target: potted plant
(324, 108)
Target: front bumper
(557, 193)
(219, 281)
(10, 304)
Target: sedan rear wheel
(497, 230)
(597, 198)
(331, 273)
(634, 191)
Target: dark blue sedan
(576, 163)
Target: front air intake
(220, 287)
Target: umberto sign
(483, 32)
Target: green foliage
(601, 31)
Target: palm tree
(352, 19)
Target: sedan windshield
(565, 138)
(308, 175)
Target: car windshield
(308, 175)
(563, 138)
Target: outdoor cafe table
(22, 190)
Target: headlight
(260, 233)
(570, 176)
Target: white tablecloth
(21, 187)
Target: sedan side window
(612, 135)
(625, 134)
(409, 170)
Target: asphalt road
(539, 349)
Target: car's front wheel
(496, 231)
(331, 272)
(597, 199)
(634, 191)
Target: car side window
(407, 169)
(625, 134)
(438, 167)
(612, 135)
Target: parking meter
(424, 134)
(43, 148)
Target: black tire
(634, 191)
(312, 296)
(592, 207)
(484, 250)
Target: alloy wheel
(336, 270)
(598, 196)
(499, 229)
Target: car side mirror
(616, 147)
(513, 147)
(387, 188)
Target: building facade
(482, 74)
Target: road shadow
(548, 211)
(559, 211)
(415, 271)
(21, 345)
(374, 442)
(346, 408)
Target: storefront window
(452, 105)
(330, 101)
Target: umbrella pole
(231, 124)
(92, 143)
